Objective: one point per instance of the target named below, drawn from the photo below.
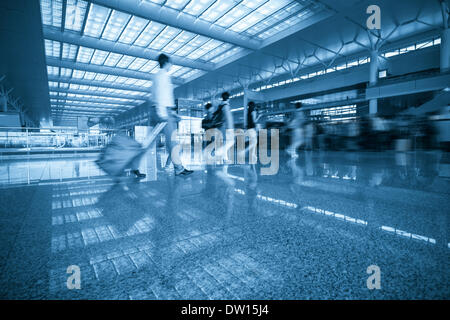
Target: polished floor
(309, 232)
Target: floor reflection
(308, 232)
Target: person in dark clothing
(207, 121)
(251, 131)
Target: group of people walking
(217, 117)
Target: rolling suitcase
(120, 153)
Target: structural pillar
(245, 107)
(373, 79)
(445, 40)
(3, 103)
(445, 50)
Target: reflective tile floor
(309, 232)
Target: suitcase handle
(149, 140)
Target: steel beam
(177, 19)
(96, 93)
(81, 113)
(405, 87)
(54, 62)
(89, 106)
(52, 33)
(85, 111)
(82, 99)
(97, 83)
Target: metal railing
(55, 138)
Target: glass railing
(54, 138)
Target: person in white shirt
(297, 124)
(228, 124)
(165, 103)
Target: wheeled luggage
(122, 151)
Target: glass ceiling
(252, 19)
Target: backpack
(217, 118)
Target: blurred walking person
(223, 111)
(165, 103)
(297, 137)
(251, 131)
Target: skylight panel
(246, 23)
(89, 75)
(174, 69)
(133, 30)
(218, 9)
(85, 54)
(66, 72)
(282, 14)
(137, 64)
(78, 74)
(272, 6)
(75, 13)
(48, 47)
(53, 71)
(195, 8)
(121, 79)
(197, 53)
(268, 33)
(164, 37)
(217, 51)
(233, 16)
(185, 50)
(125, 61)
(96, 20)
(226, 54)
(289, 22)
(73, 86)
(115, 25)
(181, 39)
(149, 33)
(155, 1)
(46, 12)
(130, 81)
(112, 59)
(261, 26)
(149, 66)
(69, 51)
(99, 57)
(181, 71)
(190, 74)
(52, 48)
(253, 4)
(51, 12)
(97, 89)
(177, 4)
(100, 77)
(143, 83)
(111, 78)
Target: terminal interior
(366, 186)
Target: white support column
(373, 79)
